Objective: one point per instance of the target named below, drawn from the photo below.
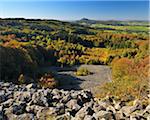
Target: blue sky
(73, 10)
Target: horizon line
(28, 18)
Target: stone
(6, 84)
(2, 116)
(16, 108)
(72, 104)
(55, 92)
(108, 100)
(84, 111)
(33, 108)
(2, 96)
(9, 94)
(74, 95)
(60, 109)
(46, 113)
(97, 107)
(29, 102)
(117, 106)
(126, 110)
(25, 116)
(111, 109)
(8, 103)
(65, 116)
(38, 98)
(119, 115)
(23, 96)
(103, 114)
(103, 104)
(31, 85)
(11, 116)
(66, 98)
(89, 117)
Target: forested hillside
(28, 44)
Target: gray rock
(74, 95)
(16, 108)
(66, 98)
(60, 109)
(23, 96)
(9, 94)
(72, 104)
(8, 103)
(136, 117)
(32, 85)
(97, 107)
(2, 116)
(111, 109)
(83, 112)
(55, 92)
(65, 116)
(103, 114)
(127, 110)
(117, 106)
(6, 84)
(33, 108)
(2, 96)
(38, 98)
(57, 97)
(11, 116)
(89, 117)
(103, 104)
(119, 115)
(25, 116)
(46, 113)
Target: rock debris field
(30, 102)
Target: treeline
(23, 60)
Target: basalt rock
(31, 102)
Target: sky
(75, 10)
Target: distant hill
(86, 21)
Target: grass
(83, 72)
(127, 28)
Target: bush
(130, 79)
(48, 81)
(83, 72)
(23, 79)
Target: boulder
(89, 117)
(25, 116)
(31, 86)
(111, 109)
(8, 103)
(119, 115)
(33, 108)
(103, 114)
(66, 98)
(72, 104)
(23, 96)
(38, 98)
(46, 114)
(2, 96)
(97, 107)
(83, 112)
(16, 108)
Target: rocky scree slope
(31, 102)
